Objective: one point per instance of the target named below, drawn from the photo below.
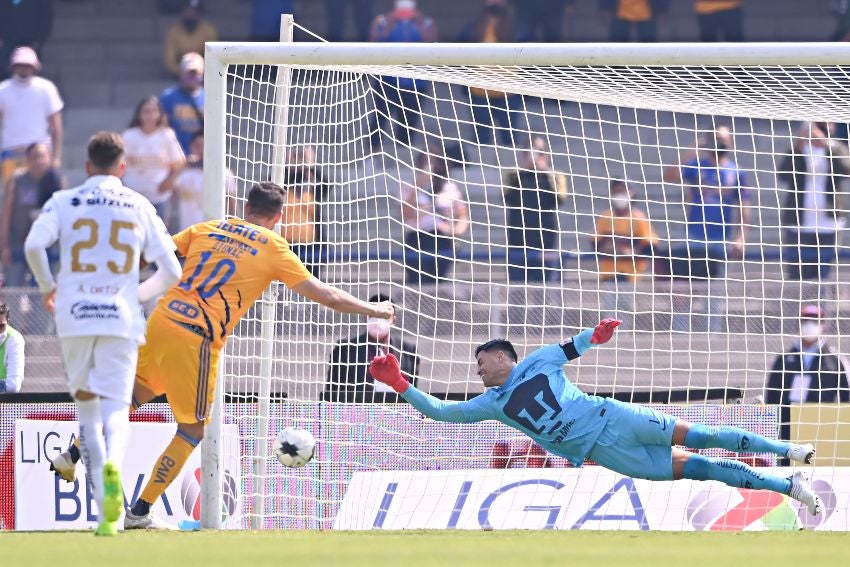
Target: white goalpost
(477, 185)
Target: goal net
(525, 192)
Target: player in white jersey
(103, 228)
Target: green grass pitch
(442, 548)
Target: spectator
(154, 157)
(720, 20)
(349, 379)
(640, 14)
(399, 98)
(26, 193)
(24, 23)
(492, 25)
(811, 217)
(715, 190)
(188, 187)
(624, 242)
(30, 112)
(435, 214)
(184, 103)
(336, 18)
(841, 9)
(265, 18)
(302, 222)
(810, 371)
(536, 16)
(532, 194)
(11, 354)
(188, 35)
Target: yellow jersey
(228, 264)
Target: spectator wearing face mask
(624, 242)
(810, 371)
(187, 35)
(349, 379)
(11, 354)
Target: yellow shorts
(180, 364)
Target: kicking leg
(740, 475)
(65, 464)
(698, 436)
(166, 469)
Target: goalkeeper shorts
(637, 442)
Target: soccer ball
(294, 447)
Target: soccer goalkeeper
(535, 397)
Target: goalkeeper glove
(385, 368)
(603, 332)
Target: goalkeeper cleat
(106, 529)
(802, 453)
(64, 467)
(113, 494)
(146, 522)
(802, 491)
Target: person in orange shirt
(302, 223)
(622, 15)
(228, 264)
(624, 242)
(720, 20)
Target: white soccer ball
(294, 447)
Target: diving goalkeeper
(535, 397)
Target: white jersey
(103, 228)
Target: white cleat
(64, 467)
(802, 491)
(146, 522)
(802, 453)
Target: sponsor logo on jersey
(183, 308)
(82, 310)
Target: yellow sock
(168, 466)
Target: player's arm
(570, 349)
(386, 369)
(338, 300)
(159, 248)
(43, 234)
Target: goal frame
(220, 55)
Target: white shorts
(104, 366)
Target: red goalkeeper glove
(385, 368)
(603, 332)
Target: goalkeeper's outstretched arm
(385, 369)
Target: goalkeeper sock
(92, 445)
(169, 465)
(733, 473)
(116, 428)
(733, 439)
(74, 449)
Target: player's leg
(65, 464)
(78, 354)
(698, 436)
(740, 475)
(189, 372)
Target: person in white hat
(30, 112)
(184, 103)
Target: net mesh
(484, 201)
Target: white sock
(116, 428)
(92, 445)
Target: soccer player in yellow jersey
(228, 265)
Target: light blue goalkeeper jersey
(537, 399)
